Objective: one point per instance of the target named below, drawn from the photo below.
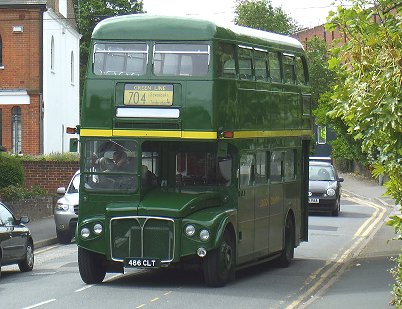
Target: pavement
(373, 261)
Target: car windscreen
(74, 185)
(321, 173)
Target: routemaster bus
(194, 141)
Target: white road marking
(334, 272)
(40, 304)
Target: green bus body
(220, 116)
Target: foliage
(11, 171)
(12, 193)
(60, 157)
(369, 99)
(321, 77)
(260, 14)
(90, 12)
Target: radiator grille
(147, 237)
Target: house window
(52, 54)
(72, 67)
(16, 129)
(1, 52)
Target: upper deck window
(175, 59)
(120, 58)
(245, 63)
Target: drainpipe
(41, 147)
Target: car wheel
(64, 237)
(337, 209)
(28, 262)
(91, 266)
(287, 254)
(219, 264)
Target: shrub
(55, 156)
(12, 193)
(11, 171)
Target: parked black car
(16, 244)
(324, 192)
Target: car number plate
(148, 94)
(142, 263)
(313, 200)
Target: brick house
(39, 75)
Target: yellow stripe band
(281, 133)
(190, 134)
(96, 132)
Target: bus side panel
(98, 104)
(304, 195)
(197, 108)
(225, 104)
(276, 221)
(271, 110)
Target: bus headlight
(204, 235)
(190, 230)
(85, 232)
(330, 192)
(98, 228)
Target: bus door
(246, 209)
(261, 205)
(276, 221)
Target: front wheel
(337, 209)
(91, 266)
(28, 262)
(287, 254)
(64, 237)
(219, 264)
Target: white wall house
(60, 78)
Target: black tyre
(287, 254)
(219, 264)
(335, 212)
(91, 266)
(64, 237)
(28, 262)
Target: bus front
(157, 185)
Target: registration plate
(313, 200)
(148, 94)
(142, 263)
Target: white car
(66, 210)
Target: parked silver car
(66, 210)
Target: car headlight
(62, 207)
(98, 228)
(85, 232)
(204, 235)
(330, 192)
(190, 230)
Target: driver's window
(6, 218)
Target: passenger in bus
(103, 164)
(148, 179)
(121, 163)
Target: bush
(55, 156)
(13, 193)
(11, 171)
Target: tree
(369, 99)
(90, 12)
(260, 14)
(344, 148)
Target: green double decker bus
(194, 141)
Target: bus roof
(155, 27)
